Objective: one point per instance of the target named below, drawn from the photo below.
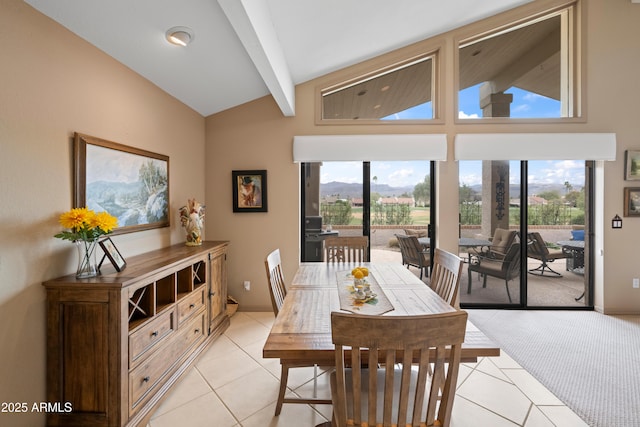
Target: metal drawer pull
(154, 333)
(192, 305)
(146, 379)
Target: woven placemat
(380, 304)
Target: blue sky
(398, 174)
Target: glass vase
(87, 266)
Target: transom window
(522, 71)
(402, 91)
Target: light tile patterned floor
(232, 385)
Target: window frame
(575, 56)
(370, 70)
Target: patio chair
(400, 391)
(346, 249)
(278, 292)
(414, 254)
(445, 275)
(506, 269)
(537, 249)
(500, 243)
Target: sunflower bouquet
(85, 224)
(85, 227)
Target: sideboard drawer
(149, 335)
(191, 304)
(146, 376)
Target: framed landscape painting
(129, 183)
(631, 201)
(632, 165)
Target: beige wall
(255, 135)
(52, 84)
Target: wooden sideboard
(116, 343)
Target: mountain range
(346, 190)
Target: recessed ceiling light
(180, 36)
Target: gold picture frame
(129, 183)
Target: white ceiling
(246, 49)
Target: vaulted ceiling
(245, 49)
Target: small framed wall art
(632, 201)
(249, 190)
(632, 165)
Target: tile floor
(232, 385)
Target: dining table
(301, 332)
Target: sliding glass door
(490, 214)
(375, 199)
(557, 217)
(545, 207)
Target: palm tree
(567, 187)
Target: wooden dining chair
(275, 277)
(399, 391)
(278, 292)
(346, 249)
(445, 275)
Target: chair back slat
(275, 277)
(395, 393)
(346, 249)
(445, 275)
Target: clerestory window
(402, 91)
(528, 70)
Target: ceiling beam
(527, 61)
(252, 23)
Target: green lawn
(420, 216)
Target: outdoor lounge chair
(414, 254)
(537, 248)
(506, 269)
(500, 244)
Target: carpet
(590, 361)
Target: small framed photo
(632, 201)
(111, 252)
(249, 191)
(632, 165)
